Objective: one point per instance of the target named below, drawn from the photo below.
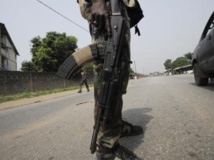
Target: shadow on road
(137, 116)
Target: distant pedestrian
(83, 81)
(97, 68)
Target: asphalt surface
(177, 117)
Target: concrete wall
(12, 82)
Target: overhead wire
(62, 15)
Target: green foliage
(89, 69)
(27, 66)
(131, 70)
(34, 94)
(50, 52)
(179, 62)
(188, 56)
(168, 64)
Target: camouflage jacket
(85, 7)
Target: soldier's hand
(100, 17)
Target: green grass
(34, 94)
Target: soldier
(97, 67)
(83, 81)
(96, 12)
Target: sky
(170, 28)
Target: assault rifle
(111, 53)
(111, 83)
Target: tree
(188, 56)
(89, 68)
(131, 70)
(179, 62)
(50, 52)
(27, 66)
(168, 64)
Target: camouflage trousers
(109, 133)
(84, 81)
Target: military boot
(104, 153)
(118, 151)
(129, 129)
(124, 153)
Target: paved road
(177, 117)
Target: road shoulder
(26, 101)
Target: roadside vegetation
(178, 62)
(34, 94)
(48, 53)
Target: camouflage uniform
(110, 134)
(83, 81)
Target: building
(8, 51)
(183, 69)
